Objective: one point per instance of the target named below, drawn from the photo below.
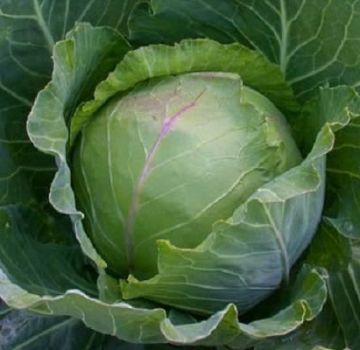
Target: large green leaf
(28, 31)
(314, 42)
(335, 247)
(344, 179)
(344, 294)
(340, 257)
(30, 331)
(152, 326)
(324, 331)
(339, 106)
(25, 330)
(80, 61)
(25, 244)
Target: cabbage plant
(179, 173)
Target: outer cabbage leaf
(324, 331)
(23, 227)
(340, 257)
(314, 42)
(152, 326)
(338, 106)
(337, 326)
(21, 329)
(344, 180)
(28, 31)
(79, 61)
(344, 295)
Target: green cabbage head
(160, 168)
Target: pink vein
(166, 127)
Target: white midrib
(165, 129)
(281, 244)
(43, 26)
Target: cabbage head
(187, 175)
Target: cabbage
(187, 175)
